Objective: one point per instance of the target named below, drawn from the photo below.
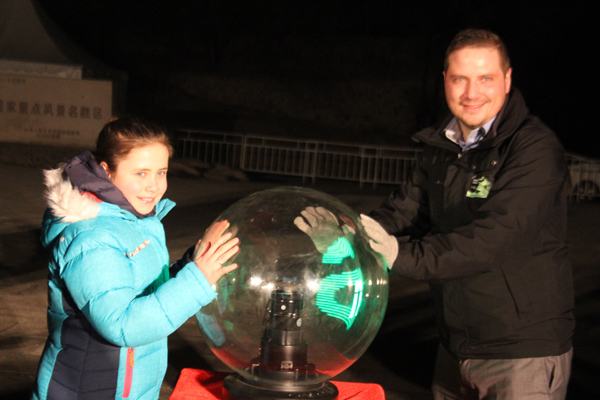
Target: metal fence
(585, 178)
(308, 159)
(210, 147)
(311, 159)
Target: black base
(236, 388)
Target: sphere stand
(236, 387)
(282, 370)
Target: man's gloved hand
(380, 241)
(320, 225)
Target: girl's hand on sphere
(215, 249)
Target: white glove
(320, 225)
(380, 241)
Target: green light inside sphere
(286, 294)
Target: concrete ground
(400, 358)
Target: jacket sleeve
(405, 212)
(522, 219)
(105, 292)
(182, 262)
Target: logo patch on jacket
(480, 187)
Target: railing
(311, 159)
(585, 178)
(210, 147)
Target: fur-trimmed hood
(67, 205)
(81, 190)
(65, 201)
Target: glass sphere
(309, 293)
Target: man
(482, 218)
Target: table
(198, 384)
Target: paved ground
(400, 358)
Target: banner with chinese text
(42, 110)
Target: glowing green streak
(339, 250)
(333, 283)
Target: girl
(111, 302)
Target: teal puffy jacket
(111, 302)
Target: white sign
(41, 110)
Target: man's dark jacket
(486, 227)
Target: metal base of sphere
(236, 387)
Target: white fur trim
(64, 200)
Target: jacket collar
(85, 174)
(67, 203)
(511, 116)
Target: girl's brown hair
(122, 134)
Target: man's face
(475, 86)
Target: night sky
(551, 43)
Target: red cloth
(198, 384)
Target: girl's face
(142, 176)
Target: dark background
(551, 45)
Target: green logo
(480, 188)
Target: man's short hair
(478, 38)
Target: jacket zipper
(128, 372)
